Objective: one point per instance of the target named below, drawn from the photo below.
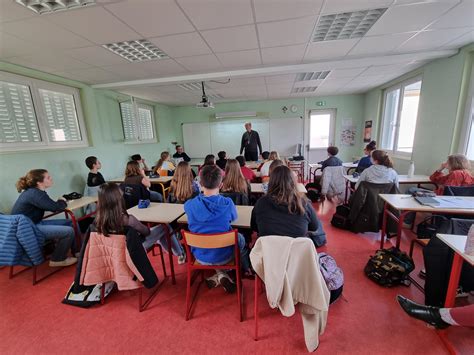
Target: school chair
(298, 168)
(211, 241)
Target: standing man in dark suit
(251, 143)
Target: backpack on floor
(86, 296)
(332, 274)
(313, 192)
(340, 219)
(389, 267)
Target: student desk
(160, 213)
(402, 179)
(252, 164)
(161, 180)
(257, 188)
(407, 203)
(196, 162)
(243, 217)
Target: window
(35, 114)
(137, 121)
(467, 142)
(321, 129)
(399, 116)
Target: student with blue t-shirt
(211, 213)
(365, 162)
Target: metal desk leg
(384, 225)
(453, 281)
(170, 254)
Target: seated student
(246, 171)
(283, 210)
(222, 161)
(141, 161)
(164, 166)
(381, 172)
(183, 187)
(180, 154)
(94, 178)
(266, 166)
(234, 180)
(136, 176)
(112, 218)
(210, 159)
(33, 202)
(265, 156)
(273, 165)
(212, 213)
(332, 160)
(365, 162)
(459, 173)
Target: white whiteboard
(204, 138)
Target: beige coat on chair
(290, 269)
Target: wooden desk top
(81, 202)
(458, 244)
(157, 180)
(408, 203)
(402, 179)
(158, 212)
(243, 217)
(258, 188)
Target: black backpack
(340, 219)
(389, 267)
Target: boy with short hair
(94, 178)
(211, 213)
(222, 161)
(246, 172)
(332, 160)
(265, 156)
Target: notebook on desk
(427, 201)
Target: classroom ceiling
(266, 47)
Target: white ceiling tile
(272, 10)
(129, 71)
(288, 32)
(377, 70)
(337, 6)
(249, 82)
(432, 39)
(44, 33)
(11, 46)
(406, 18)
(329, 49)
(283, 55)
(231, 39)
(240, 59)
(280, 79)
(407, 2)
(460, 16)
(95, 24)
(379, 44)
(96, 56)
(91, 76)
(345, 73)
(162, 67)
(336, 82)
(200, 63)
(11, 11)
(207, 14)
(461, 41)
(152, 18)
(49, 61)
(182, 45)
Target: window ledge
(402, 157)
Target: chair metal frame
(211, 241)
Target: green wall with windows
(440, 112)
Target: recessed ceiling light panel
(346, 25)
(319, 75)
(303, 90)
(191, 86)
(46, 6)
(139, 50)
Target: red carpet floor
(367, 321)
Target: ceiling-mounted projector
(205, 103)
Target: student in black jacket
(94, 178)
(180, 154)
(283, 210)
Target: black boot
(427, 314)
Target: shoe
(181, 259)
(66, 262)
(212, 281)
(422, 274)
(226, 282)
(427, 314)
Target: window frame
(468, 117)
(136, 104)
(332, 126)
(400, 86)
(41, 118)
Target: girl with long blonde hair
(183, 187)
(234, 180)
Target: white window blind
(17, 115)
(137, 121)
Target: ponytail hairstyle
(163, 157)
(233, 180)
(182, 183)
(110, 210)
(31, 179)
(369, 148)
(381, 158)
(458, 162)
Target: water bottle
(411, 169)
(469, 250)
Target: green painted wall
(347, 106)
(440, 113)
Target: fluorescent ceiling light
(139, 50)
(236, 114)
(346, 25)
(319, 75)
(304, 89)
(45, 6)
(191, 86)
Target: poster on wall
(368, 131)
(348, 132)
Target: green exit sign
(321, 103)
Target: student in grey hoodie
(381, 172)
